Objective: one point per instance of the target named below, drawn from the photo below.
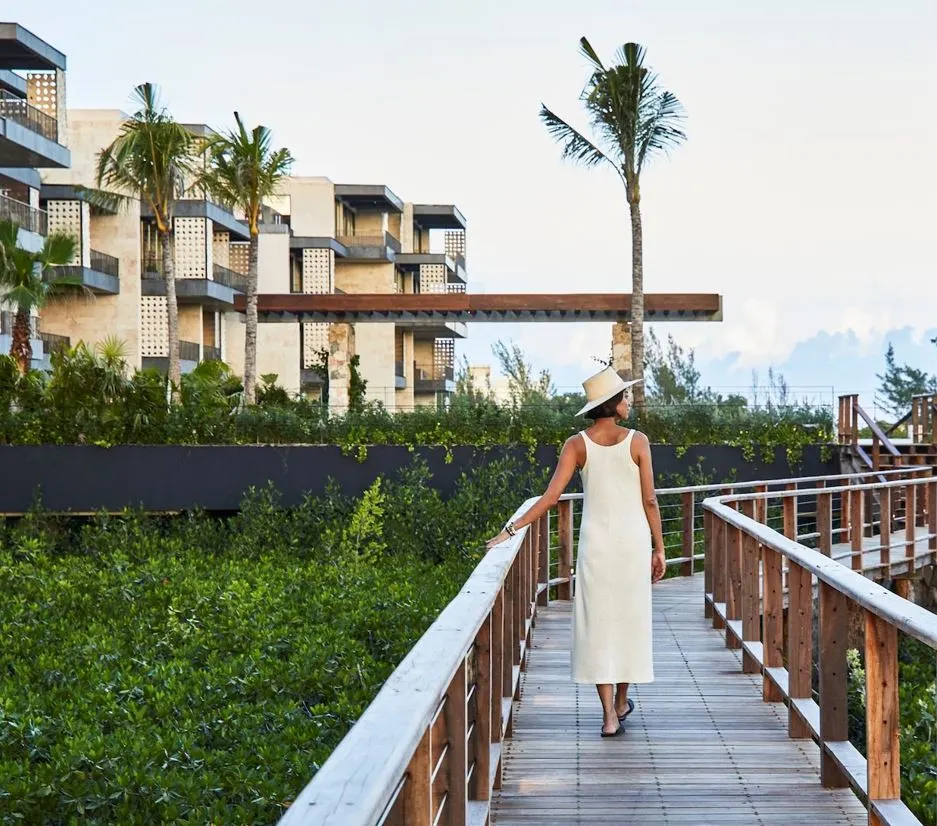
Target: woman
(611, 628)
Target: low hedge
(195, 670)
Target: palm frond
(660, 130)
(58, 250)
(590, 54)
(576, 146)
(104, 199)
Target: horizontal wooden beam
(482, 307)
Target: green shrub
(198, 670)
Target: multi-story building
(317, 237)
(33, 136)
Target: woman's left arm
(565, 468)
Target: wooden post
(932, 514)
(750, 607)
(733, 582)
(498, 688)
(789, 509)
(856, 529)
(708, 562)
(689, 534)
(876, 453)
(910, 509)
(565, 528)
(484, 693)
(799, 644)
(457, 753)
(543, 571)
(511, 657)
(885, 500)
(845, 512)
(761, 506)
(773, 621)
(825, 522)
(520, 622)
(720, 529)
(834, 711)
(417, 791)
(881, 717)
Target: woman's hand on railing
(504, 536)
(658, 566)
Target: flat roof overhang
(438, 216)
(309, 242)
(483, 307)
(202, 291)
(21, 147)
(203, 208)
(69, 192)
(11, 82)
(22, 175)
(21, 49)
(367, 196)
(100, 283)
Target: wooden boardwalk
(701, 747)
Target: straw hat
(602, 386)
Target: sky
(806, 192)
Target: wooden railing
(750, 585)
(428, 748)
(922, 416)
(850, 413)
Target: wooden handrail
(749, 555)
(429, 746)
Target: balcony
(52, 343)
(433, 378)
(222, 218)
(215, 293)
(102, 276)
(363, 248)
(29, 136)
(400, 378)
(210, 353)
(189, 357)
(31, 221)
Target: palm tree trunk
(172, 314)
(21, 348)
(637, 303)
(250, 331)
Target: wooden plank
(799, 642)
(856, 527)
(565, 531)
(733, 568)
(761, 505)
(480, 788)
(457, 732)
(882, 719)
(909, 518)
(824, 523)
(789, 511)
(885, 500)
(688, 531)
(932, 513)
(699, 748)
(773, 596)
(834, 711)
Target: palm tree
(243, 170)
(27, 283)
(632, 119)
(152, 159)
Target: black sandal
(616, 732)
(621, 717)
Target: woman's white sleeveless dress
(612, 604)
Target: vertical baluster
(418, 792)
(910, 508)
(882, 723)
(457, 754)
(543, 570)
(773, 621)
(484, 695)
(565, 528)
(885, 517)
(932, 515)
(825, 523)
(834, 712)
(520, 623)
(799, 644)
(789, 510)
(720, 531)
(707, 563)
(689, 538)
(500, 685)
(751, 614)
(733, 582)
(856, 528)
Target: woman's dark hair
(606, 410)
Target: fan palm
(243, 170)
(632, 119)
(27, 281)
(152, 159)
